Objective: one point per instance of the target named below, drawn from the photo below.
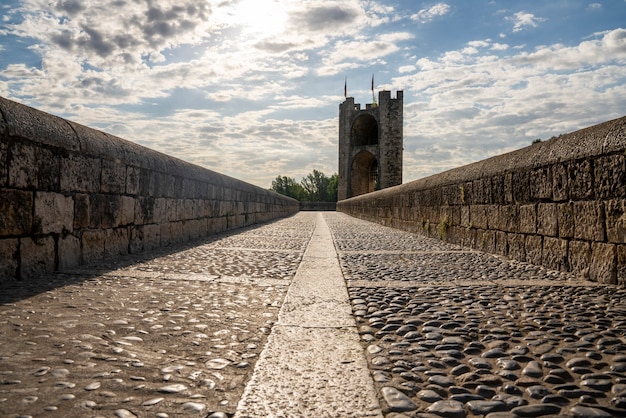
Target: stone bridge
(135, 284)
(317, 314)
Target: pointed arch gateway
(364, 173)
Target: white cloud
(426, 15)
(523, 19)
(473, 106)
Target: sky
(251, 88)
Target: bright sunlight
(260, 18)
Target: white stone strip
(313, 364)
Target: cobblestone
(466, 334)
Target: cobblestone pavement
(455, 333)
(175, 333)
(447, 332)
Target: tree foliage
(315, 187)
(288, 186)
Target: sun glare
(260, 18)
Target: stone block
(166, 234)
(16, 208)
(93, 243)
(136, 239)
(177, 232)
(554, 255)
(188, 209)
(133, 175)
(193, 228)
(616, 221)
(580, 179)
(509, 218)
(103, 211)
(589, 221)
(565, 220)
(541, 184)
(465, 216)
(151, 236)
(501, 193)
(521, 187)
(171, 210)
(69, 252)
(603, 268)
(478, 216)
(547, 219)
(580, 257)
(126, 213)
(560, 182)
(22, 166)
(621, 265)
(113, 177)
(4, 163)
(54, 212)
(528, 219)
(82, 205)
(610, 176)
(48, 170)
(9, 255)
(144, 210)
(504, 196)
(534, 249)
(32, 167)
(116, 243)
(37, 256)
(517, 246)
(160, 210)
(502, 243)
(80, 174)
(493, 218)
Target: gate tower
(370, 145)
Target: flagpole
(373, 96)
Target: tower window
(365, 131)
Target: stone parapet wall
(71, 195)
(559, 203)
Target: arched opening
(365, 131)
(364, 178)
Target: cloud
(326, 16)
(426, 15)
(523, 19)
(478, 105)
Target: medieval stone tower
(370, 145)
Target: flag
(372, 82)
(345, 87)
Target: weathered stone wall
(560, 203)
(71, 195)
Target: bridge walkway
(318, 314)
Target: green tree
(288, 186)
(333, 183)
(315, 186)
